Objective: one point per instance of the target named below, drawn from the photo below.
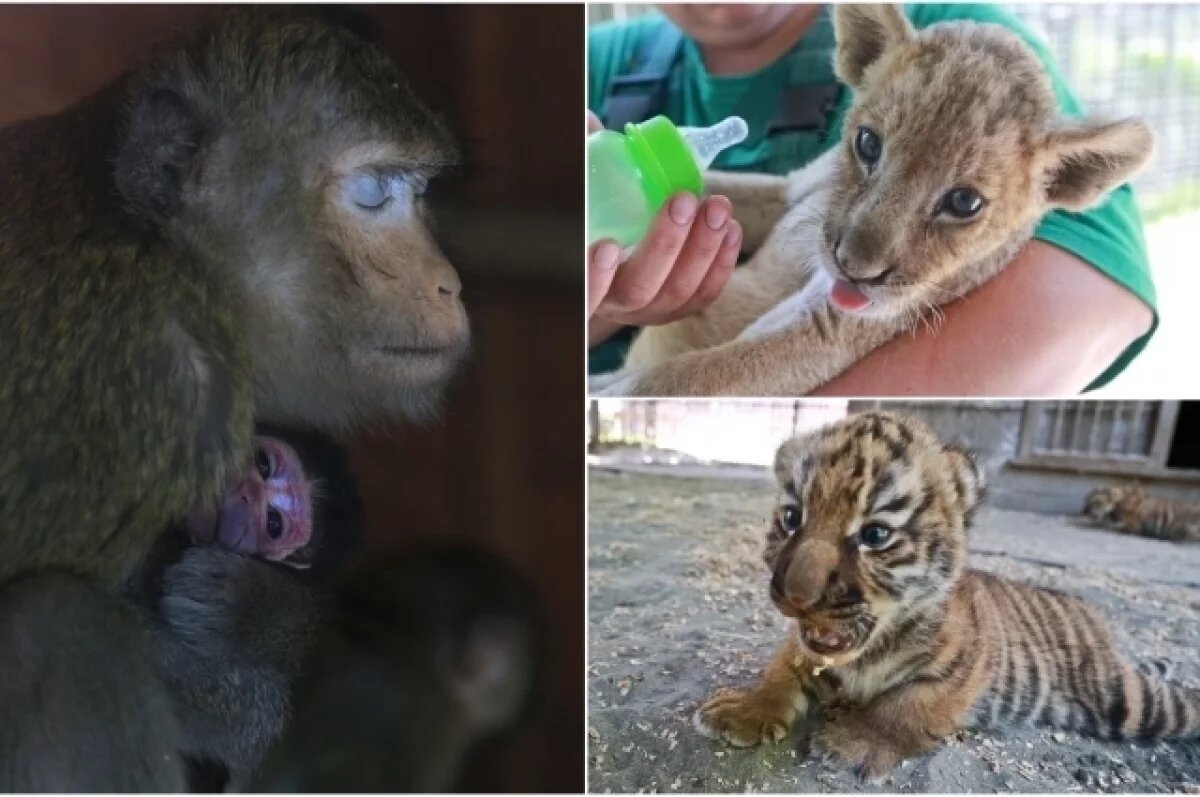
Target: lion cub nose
(857, 266)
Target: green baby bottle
(630, 176)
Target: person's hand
(677, 270)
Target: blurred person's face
(729, 24)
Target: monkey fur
(234, 230)
(184, 251)
(413, 657)
(425, 654)
(230, 632)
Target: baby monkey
(234, 593)
(412, 658)
(267, 512)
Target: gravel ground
(678, 608)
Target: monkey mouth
(424, 352)
(301, 559)
(433, 361)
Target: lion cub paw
(744, 719)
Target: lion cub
(867, 549)
(952, 152)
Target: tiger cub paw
(744, 719)
(850, 742)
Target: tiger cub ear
(970, 483)
(785, 458)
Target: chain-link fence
(1122, 60)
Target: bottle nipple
(706, 143)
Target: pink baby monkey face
(267, 511)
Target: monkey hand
(222, 604)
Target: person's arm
(1047, 324)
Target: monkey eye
(274, 523)
(375, 191)
(369, 191)
(262, 461)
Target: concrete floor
(678, 608)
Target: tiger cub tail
(1144, 706)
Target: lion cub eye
(868, 147)
(961, 203)
(789, 519)
(874, 535)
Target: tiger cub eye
(875, 535)
(789, 519)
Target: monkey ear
(158, 154)
(1086, 161)
(864, 32)
(970, 482)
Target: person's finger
(642, 276)
(694, 261)
(601, 268)
(593, 122)
(718, 274)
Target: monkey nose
(252, 492)
(447, 286)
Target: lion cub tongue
(847, 297)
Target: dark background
(503, 465)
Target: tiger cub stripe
(1131, 509)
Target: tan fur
(915, 644)
(958, 104)
(1131, 509)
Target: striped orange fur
(867, 550)
(1131, 509)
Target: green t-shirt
(1109, 236)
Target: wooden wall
(503, 465)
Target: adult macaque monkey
(234, 230)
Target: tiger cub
(1132, 510)
(867, 552)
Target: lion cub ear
(864, 32)
(1086, 161)
(970, 483)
